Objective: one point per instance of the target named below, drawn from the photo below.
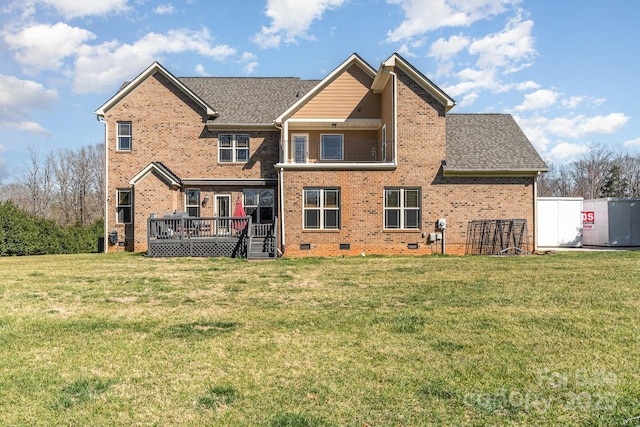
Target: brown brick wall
(169, 127)
(421, 148)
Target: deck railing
(352, 150)
(194, 227)
(208, 236)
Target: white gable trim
(396, 60)
(163, 172)
(150, 71)
(353, 59)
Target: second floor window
(124, 206)
(331, 147)
(192, 201)
(233, 148)
(402, 208)
(124, 136)
(321, 208)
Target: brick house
(363, 161)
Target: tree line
(56, 205)
(596, 174)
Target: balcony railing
(350, 151)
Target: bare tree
(590, 172)
(630, 171)
(38, 180)
(66, 185)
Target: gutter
(492, 172)
(106, 185)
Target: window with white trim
(123, 206)
(124, 136)
(331, 147)
(402, 208)
(192, 201)
(233, 148)
(321, 208)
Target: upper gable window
(331, 147)
(233, 148)
(124, 136)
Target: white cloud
(537, 100)
(422, 16)
(472, 80)
(565, 150)
(201, 71)
(291, 19)
(499, 53)
(164, 9)
(510, 49)
(444, 50)
(103, 67)
(572, 102)
(528, 85)
(542, 130)
(44, 47)
(79, 8)
(468, 99)
(26, 126)
(632, 142)
(581, 125)
(250, 62)
(17, 98)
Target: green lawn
(379, 341)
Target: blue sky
(567, 70)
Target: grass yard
(378, 341)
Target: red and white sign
(588, 218)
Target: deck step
(258, 250)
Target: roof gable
(154, 68)
(354, 59)
(161, 171)
(395, 60)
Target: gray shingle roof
(248, 100)
(489, 142)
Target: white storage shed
(611, 222)
(559, 222)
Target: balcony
(337, 153)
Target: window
(123, 208)
(192, 201)
(124, 136)
(233, 148)
(402, 208)
(321, 208)
(331, 147)
(259, 204)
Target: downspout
(106, 186)
(535, 212)
(283, 144)
(395, 121)
(282, 243)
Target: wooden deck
(235, 237)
